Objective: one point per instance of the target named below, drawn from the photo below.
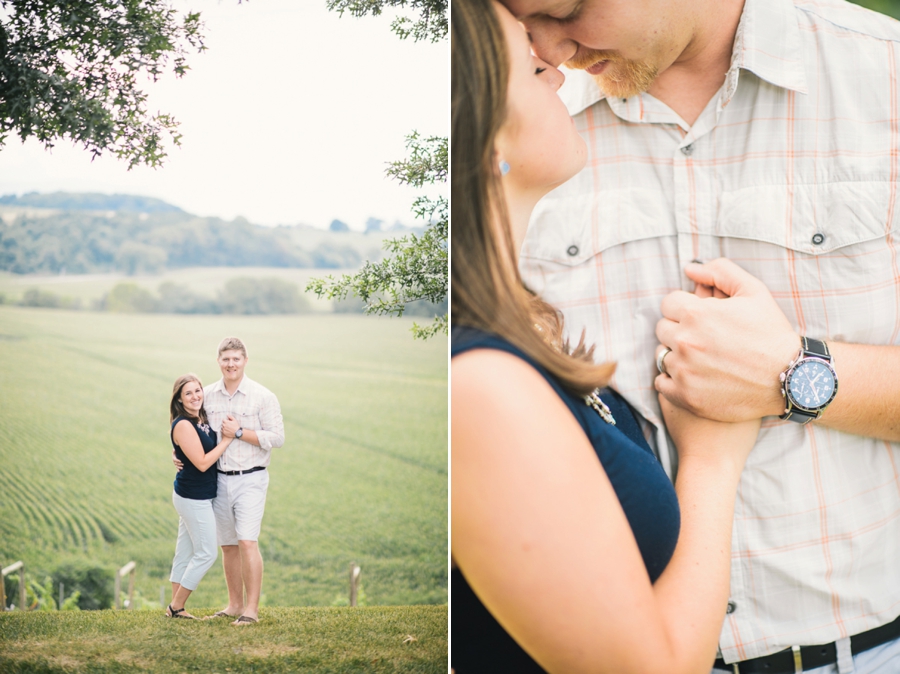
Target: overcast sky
(288, 117)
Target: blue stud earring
(504, 168)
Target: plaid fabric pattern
(791, 172)
(257, 408)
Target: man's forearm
(868, 397)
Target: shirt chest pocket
(809, 219)
(827, 252)
(569, 229)
(249, 418)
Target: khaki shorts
(239, 505)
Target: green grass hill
(320, 640)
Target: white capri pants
(195, 551)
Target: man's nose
(549, 41)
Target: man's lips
(597, 68)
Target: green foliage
(73, 69)
(34, 297)
(87, 241)
(90, 585)
(134, 257)
(11, 587)
(376, 640)
(428, 20)
(40, 596)
(889, 7)
(417, 266)
(179, 299)
(261, 296)
(243, 295)
(70, 603)
(130, 298)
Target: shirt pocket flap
(834, 215)
(569, 229)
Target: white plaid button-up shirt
(257, 408)
(791, 171)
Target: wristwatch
(810, 383)
(239, 433)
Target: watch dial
(811, 385)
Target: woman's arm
(543, 540)
(186, 438)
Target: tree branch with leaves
(73, 69)
(417, 266)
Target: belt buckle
(798, 660)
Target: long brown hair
(176, 409)
(487, 290)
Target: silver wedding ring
(661, 360)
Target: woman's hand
(695, 436)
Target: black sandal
(173, 613)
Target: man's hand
(729, 342)
(230, 427)
(177, 463)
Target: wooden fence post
(129, 569)
(18, 566)
(354, 582)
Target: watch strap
(799, 416)
(815, 347)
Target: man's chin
(615, 87)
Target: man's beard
(621, 78)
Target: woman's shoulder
(180, 422)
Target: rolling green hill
(86, 460)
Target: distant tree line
(245, 295)
(140, 243)
(238, 296)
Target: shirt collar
(220, 386)
(767, 43)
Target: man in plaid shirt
(766, 132)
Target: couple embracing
(654, 468)
(222, 437)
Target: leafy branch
(69, 69)
(417, 267)
(429, 22)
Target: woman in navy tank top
(573, 552)
(194, 489)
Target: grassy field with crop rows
(85, 458)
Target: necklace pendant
(593, 400)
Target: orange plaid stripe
(802, 139)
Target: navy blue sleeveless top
(191, 482)
(647, 496)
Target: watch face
(811, 384)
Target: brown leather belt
(804, 658)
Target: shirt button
(818, 239)
(731, 606)
(688, 150)
(572, 251)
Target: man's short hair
(232, 344)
